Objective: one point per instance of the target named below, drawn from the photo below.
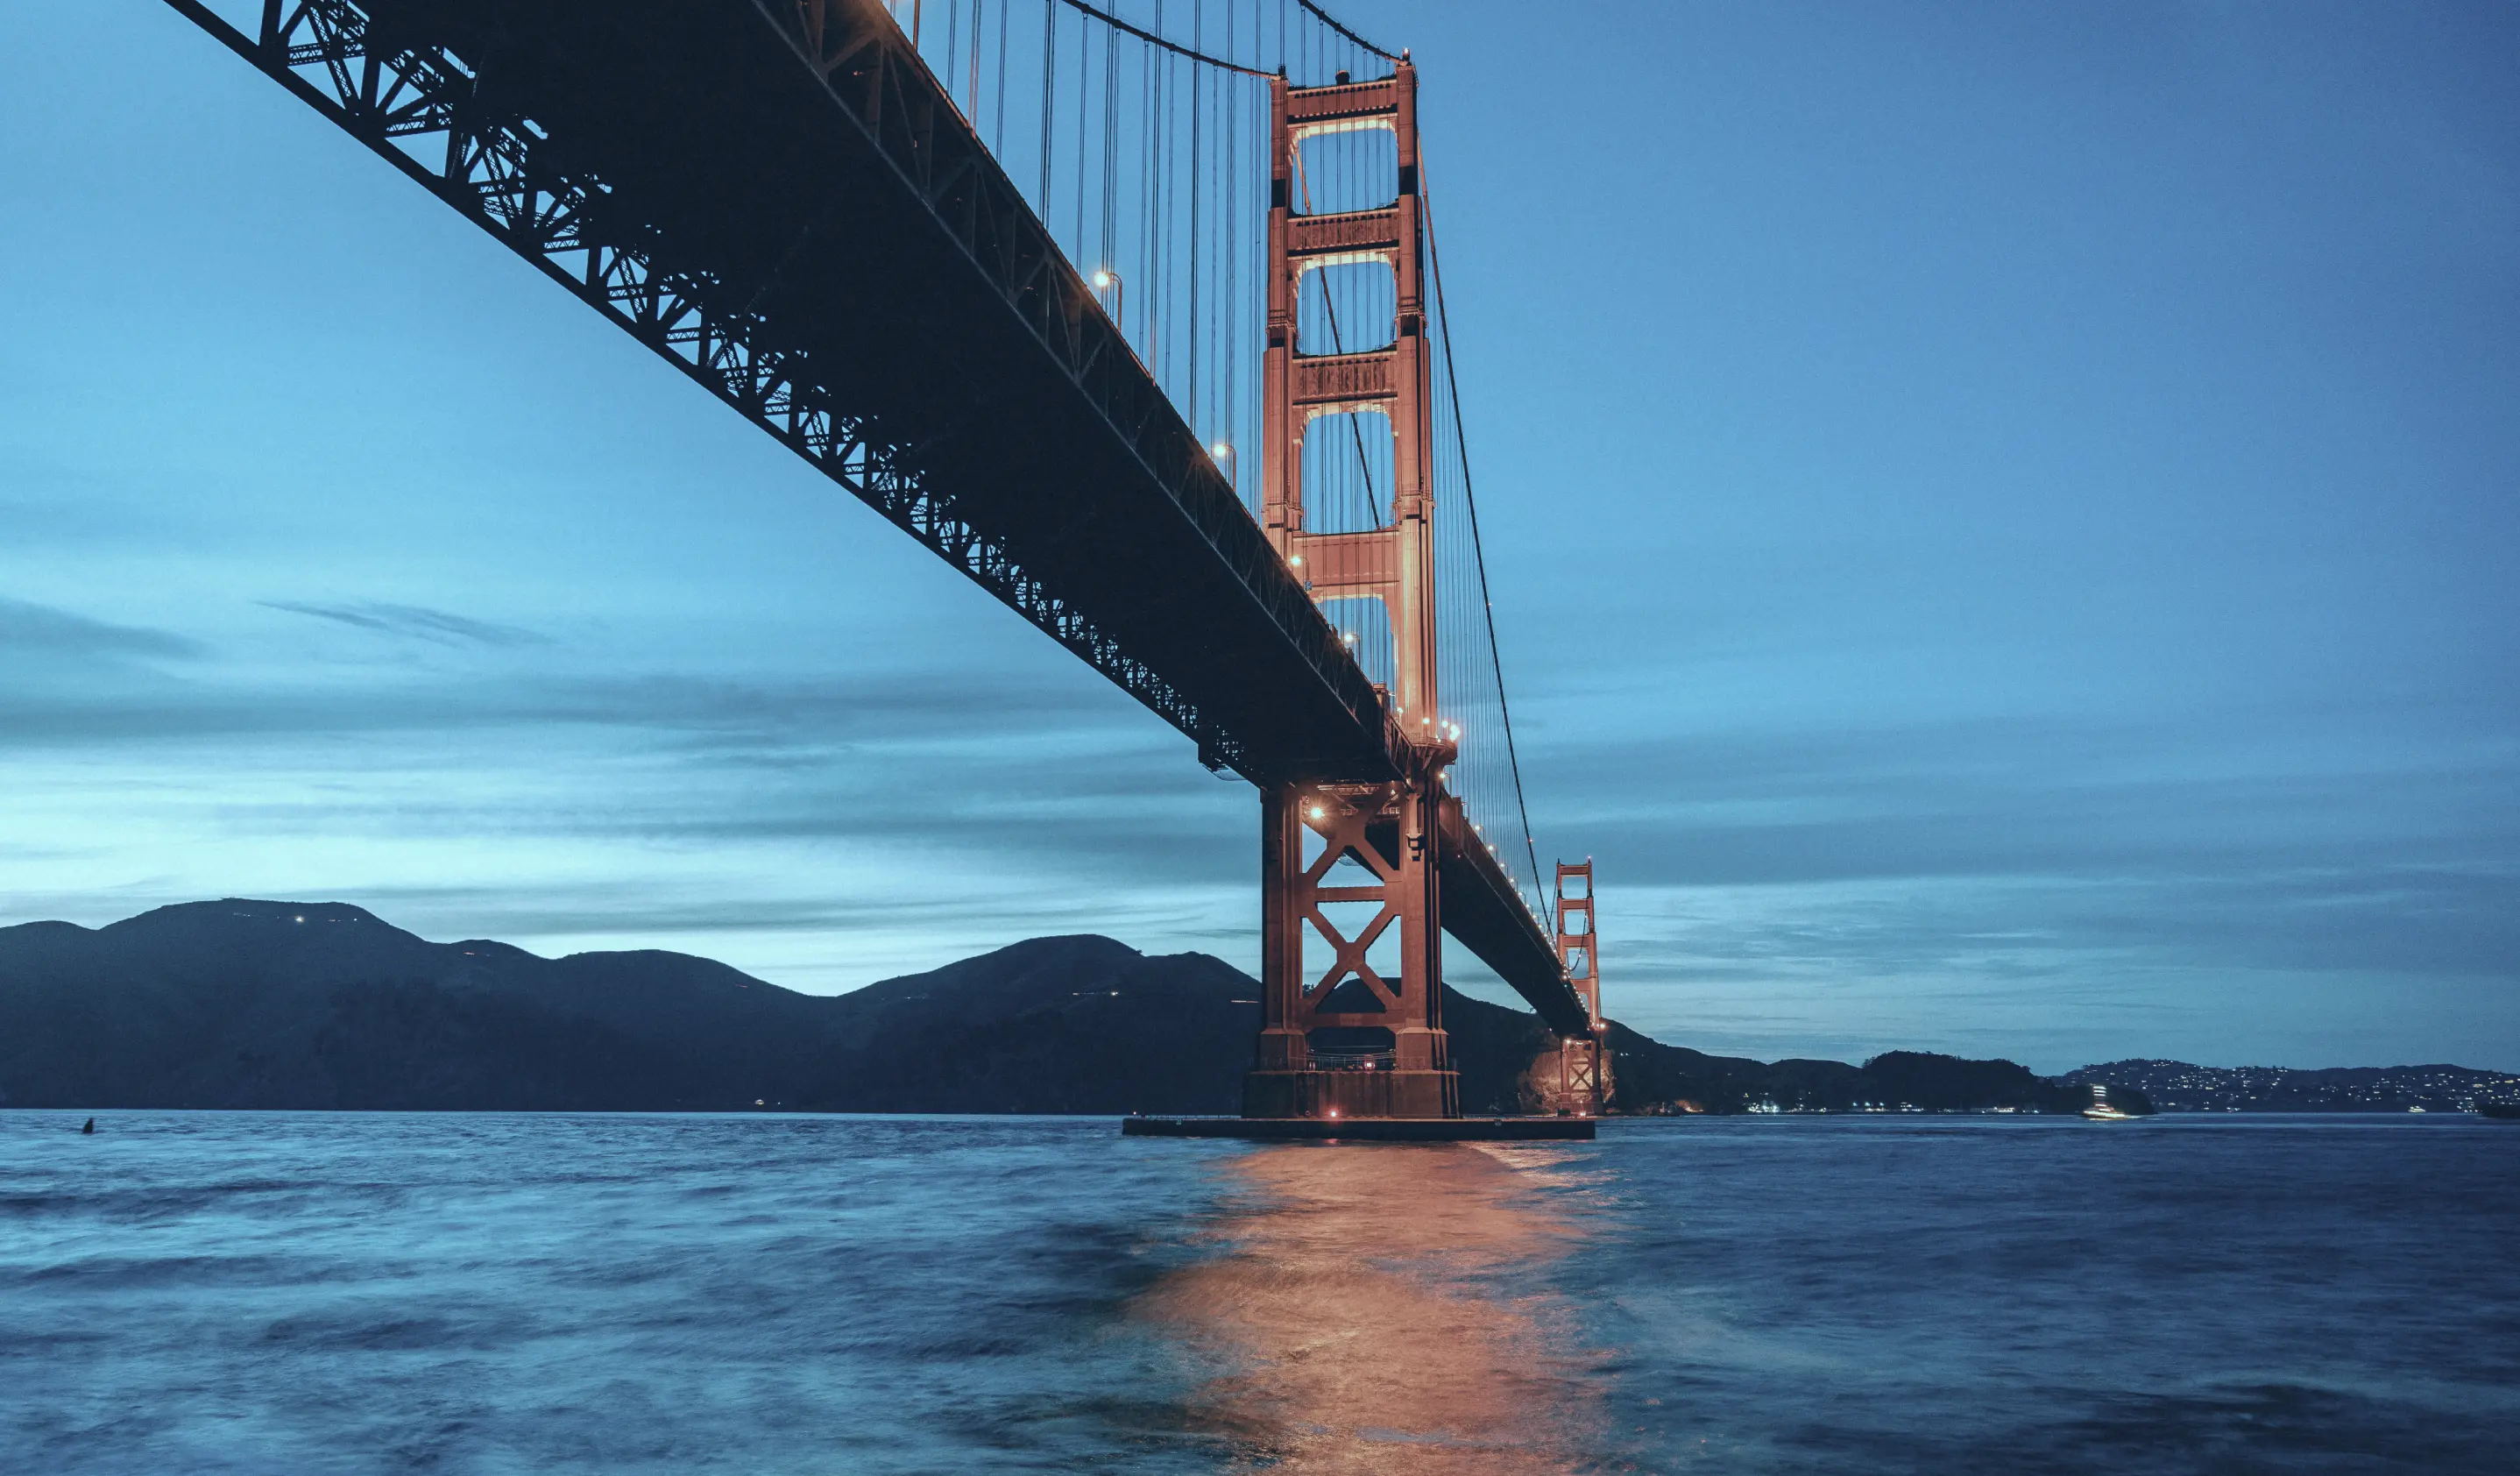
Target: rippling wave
(241, 1292)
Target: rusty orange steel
(1583, 1061)
(1355, 1040)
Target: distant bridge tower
(1360, 1036)
(1583, 1061)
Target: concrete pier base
(1366, 1130)
(1275, 1094)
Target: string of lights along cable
(1140, 132)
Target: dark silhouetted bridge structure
(1161, 365)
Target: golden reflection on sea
(1371, 1309)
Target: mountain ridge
(244, 1003)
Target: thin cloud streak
(32, 630)
(413, 621)
(763, 717)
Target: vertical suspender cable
(1471, 502)
(1049, 98)
(1082, 84)
(1145, 211)
(1330, 20)
(1005, 8)
(1198, 171)
(1233, 251)
(1161, 221)
(1110, 134)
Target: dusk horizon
(1179, 737)
(1999, 526)
(316, 905)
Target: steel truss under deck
(416, 105)
(609, 143)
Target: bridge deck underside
(846, 220)
(726, 158)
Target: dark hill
(1651, 1077)
(265, 1004)
(286, 1004)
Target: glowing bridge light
(1104, 279)
(1317, 812)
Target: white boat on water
(2102, 1110)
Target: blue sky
(2002, 521)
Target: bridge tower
(1583, 1061)
(1361, 1033)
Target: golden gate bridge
(1133, 311)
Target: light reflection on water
(1380, 1310)
(319, 1293)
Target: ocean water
(275, 1293)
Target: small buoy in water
(90, 1127)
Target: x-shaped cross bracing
(1341, 826)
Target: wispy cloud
(42, 630)
(415, 622)
(2026, 799)
(770, 722)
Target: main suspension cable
(1330, 20)
(1175, 46)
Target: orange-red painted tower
(1348, 871)
(1583, 1061)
